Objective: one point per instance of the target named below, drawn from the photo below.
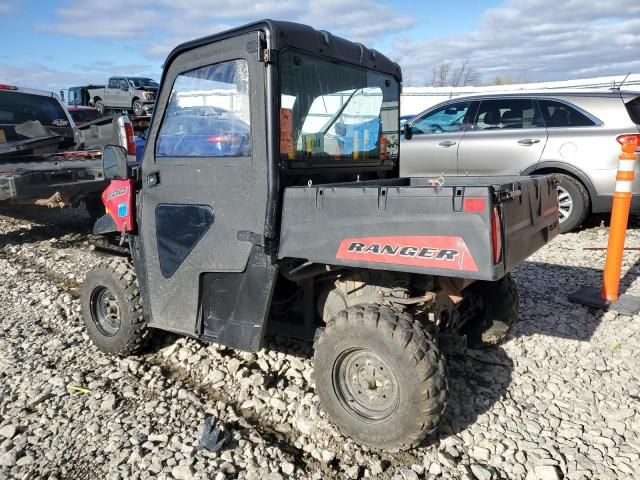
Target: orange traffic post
(607, 297)
(619, 218)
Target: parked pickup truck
(137, 94)
(45, 159)
(287, 215)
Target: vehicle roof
(303, 37)
(32, 91)
(627, 94)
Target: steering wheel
(435, 128)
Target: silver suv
(572, 134)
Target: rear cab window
(17, 108)
(559, 114)
(208, 113)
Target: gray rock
(183, 472)
(8, 459)
(481, 472)
(546, 472)
(8, 431)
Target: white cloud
(159, 25)
(547, 39)
(53, 79)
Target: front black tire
(99, 106)
(112, 308)
(380, 377)
(138, 108)
(573, 200)
(489, 311)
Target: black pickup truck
(45, 159)
(286, 213)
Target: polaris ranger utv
(279, 207)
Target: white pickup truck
(137, 94)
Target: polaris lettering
(421, 251)
(116, 193)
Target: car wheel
(112, 308)
(99, 106)
(573, 202)
(137, 107)
(380, 376)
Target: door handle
(447, 143)
(153, 179)
(528, 141)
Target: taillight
(496, 235)
(7, 87)
(622, 138)
(131, 139)
(473, 205)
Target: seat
(492, 117)
(512, 119)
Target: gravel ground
(560, 399)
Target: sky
(54, 44)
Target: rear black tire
(574, 203)
(112, 308)
(380, 377)
(99, 106)
(490, 309)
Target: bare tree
(450, 74)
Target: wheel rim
(137, 108)
(565, 203)
(105, 311)
(365, 385)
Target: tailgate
(530, 217)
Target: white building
(417, 99)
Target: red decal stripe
(417, 251)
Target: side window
(558, 114)
(449, 118)
(208, 113)
(114, 83)
(123, 83)
(507, 114)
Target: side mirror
(114, 162)
(407, 131)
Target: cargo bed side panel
(413, 229)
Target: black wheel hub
(365, 385)
(105, 311)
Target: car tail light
(621, 138)
(131, 139)
(496, 235)
(473, 205)
(7, 87)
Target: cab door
(433, 147)
(204, 197)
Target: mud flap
(235, 306)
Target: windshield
(143, 82)
(334, 111)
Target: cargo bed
(406, 224)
